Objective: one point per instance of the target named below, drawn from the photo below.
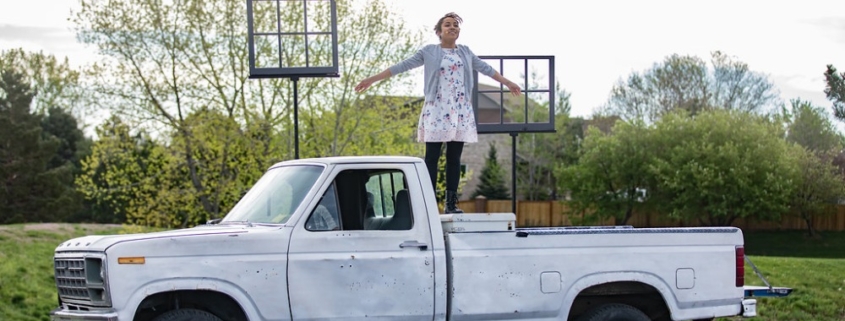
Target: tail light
(740, 266)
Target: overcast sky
(595, 43)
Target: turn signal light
(131, 260)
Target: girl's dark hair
(452, 15)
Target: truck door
(364, 251)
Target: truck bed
(543, 270)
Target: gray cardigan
(431, 56)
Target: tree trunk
(730, 220)
(809, 220)
(195, 175)
(628, 213)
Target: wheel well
(636, 294)
(219, 304)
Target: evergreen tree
(835, 91)
(492, 178)
(73, 145)
(32, 191)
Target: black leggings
(453, 163)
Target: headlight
(94, 270)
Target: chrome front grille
(80, 281)
(70, 279)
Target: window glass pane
(276, 195)
(390, 202)
(378, 198)
(325, 216)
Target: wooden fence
(554, 213)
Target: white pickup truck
(350, 238)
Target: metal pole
(295, 117)
(513, 172)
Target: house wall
(475, 154)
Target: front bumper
(61, 314)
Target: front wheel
(614, 312)
(187, 315)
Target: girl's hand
(514, 88)
(363, 85)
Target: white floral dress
(449, 116)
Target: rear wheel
(187, 315)
(614, 312)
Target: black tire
(614, 312)
(187, 315)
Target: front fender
(188, 284)
(249, 267)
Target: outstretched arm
(413, 62)
(486, 69)
(369, 81)
(514, 88)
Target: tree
(611, 176)
(835, 91)
(123, 172)
(73, 145)
(32, 191)
(59, 101)
(167, 61)
(735, 87)
(818, 185)
(719, 166)
(340, 121)
(492, 185)
(539, 153)
(55, 83)
(225, 164)
(686, 83)
(810, 127)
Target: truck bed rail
(621, 229)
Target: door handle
(422, 246)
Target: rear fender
(609, 277)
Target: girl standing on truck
(447, 114)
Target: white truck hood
(99, 243)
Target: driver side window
(371, 199)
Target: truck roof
(351, 160)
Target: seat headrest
(402, 218)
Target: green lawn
(27, 290)
(815, 268)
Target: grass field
(27, 290)
(815, 268)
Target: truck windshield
(275, 196)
